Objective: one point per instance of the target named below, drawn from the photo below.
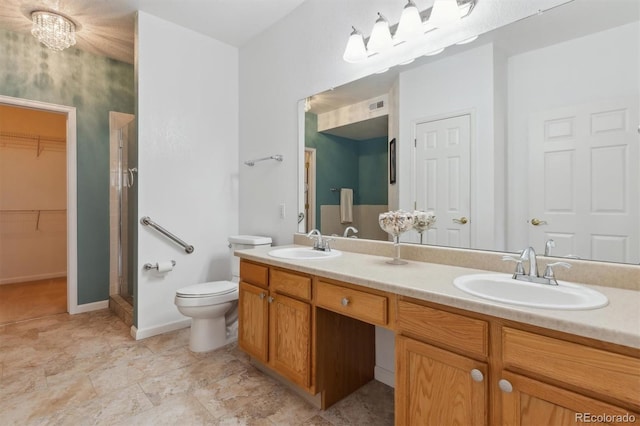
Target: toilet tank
(239, 242)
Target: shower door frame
(72, 200)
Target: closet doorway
(34, 216)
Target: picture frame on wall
(392, 161)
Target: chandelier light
(55, 31)
(413, 25)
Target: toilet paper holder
(149, 266)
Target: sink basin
(503, 288)
(303, 253)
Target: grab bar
(277, 157)
(146, 221)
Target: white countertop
(618, 322)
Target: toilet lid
(208, 289)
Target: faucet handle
(548, 271)
(519, 267)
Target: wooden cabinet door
(531, 402)
(253, 321)
(436, 387)
(290, 338)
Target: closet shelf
(39, 142)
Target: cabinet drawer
(254, 273)
(607, 373)
(290, 283)
(371, 308)
(466, 334)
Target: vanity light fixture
(413, 25)
(54, 30)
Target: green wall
(94, 85)
(347, 163)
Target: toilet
(213, 306)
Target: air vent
(376, 105)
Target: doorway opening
(38, 261)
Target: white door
(442, 161)
(583, 180)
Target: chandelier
(53, 30)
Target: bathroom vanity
(458, 359)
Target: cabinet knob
(477, 375)
(505, 386)
(270, 299)
(344, 301)
(262, 296)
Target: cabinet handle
(262, 296)
(344, 301)
(505, 386)
(270, 299)
(477, 375)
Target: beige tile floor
(86, 370)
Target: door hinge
(415, 143)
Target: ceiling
(106, 27)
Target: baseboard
(27, 278)
(88, 307)
(385, 376)
(143, 333)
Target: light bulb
(380, 39)
(355, 50)
(444, 13)
(410, 25)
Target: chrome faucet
(530, 254)
(319, 243)
(548, 246)
(350, 228)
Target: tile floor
(86, 369)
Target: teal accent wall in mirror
(94, 85)
(342, 162)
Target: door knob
(462, 221)
(536, 222)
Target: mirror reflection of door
(585, 196)
(442, 159)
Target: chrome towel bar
(146, 221)
(276, 157)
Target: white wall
(577, 71)
(188, 162)
(447, 88)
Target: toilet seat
(205, 294)
(212, 288)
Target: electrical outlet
(282, 211)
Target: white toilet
(213, 306)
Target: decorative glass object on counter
(423, 221)
(396, 223)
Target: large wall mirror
(528, 134)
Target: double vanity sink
(496, 287)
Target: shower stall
(123, 213)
